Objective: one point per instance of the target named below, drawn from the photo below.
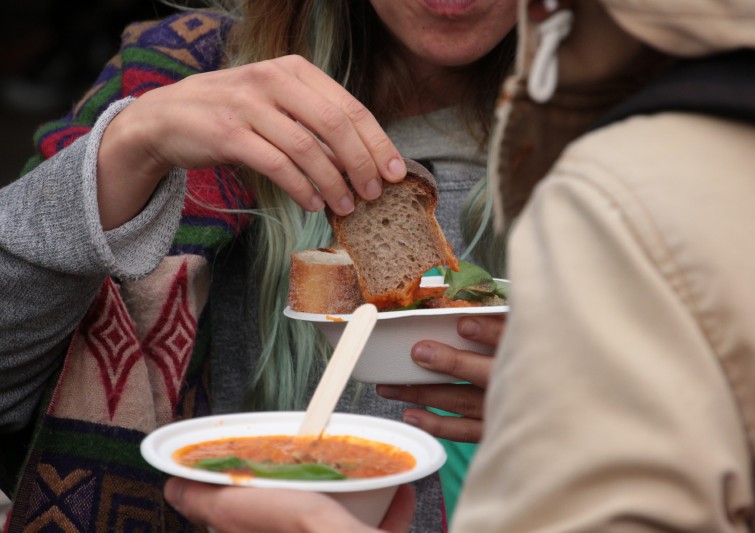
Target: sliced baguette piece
(395, 239)
(323, 281)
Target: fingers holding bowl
(461, 399)
(464, 365)
(458, 429)
(466, 399)
(485, 329)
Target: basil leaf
(469, 275)
(473, 294)
(221, 464)
(299, 471)
(501, 289)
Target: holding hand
(466, 400)
(242, 509)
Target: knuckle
(232, 140)
(303, 143)
(411, 395)
(276, 164)
(355, 109)
(466, 404)
(381, 143)
(453, 363)
(298, 188)
(295, 60)
(265, 71)
(331, 182)
(433, 426)
(361, 163)
(469, 433)
(492, 328)
(332, 117)
(484, 371)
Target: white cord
(543, 77)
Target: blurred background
(51, 51)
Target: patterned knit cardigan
(137, 360)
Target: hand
(242, 509)
(466, 400)
(284, 118)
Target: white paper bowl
(368, 499)
(387, 355)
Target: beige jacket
(623, 394)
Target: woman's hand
(466, 400)
(242, 509)
(284, 118)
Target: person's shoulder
(672, 149)
(195, 38)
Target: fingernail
(423, 353)
(397, 168)
(411, 420)
(316, 203)
(388, 391)
(346, 204)
(373, 189)
(469, 328)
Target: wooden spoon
(337, 373)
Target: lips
(448, 7)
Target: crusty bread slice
(323, 280)
(395, 239)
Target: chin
(457, 56)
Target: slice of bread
(323, 280)
(395, 239)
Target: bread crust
(320, 283)
(408, 281)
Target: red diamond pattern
(110, 336)
(171, 341)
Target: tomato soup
(354, 457)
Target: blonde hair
(347, 41)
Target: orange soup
(353, 457)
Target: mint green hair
(343, 38)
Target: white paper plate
(386, 357)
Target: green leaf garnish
(472, 283)
(298, 472)
(221, 464)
